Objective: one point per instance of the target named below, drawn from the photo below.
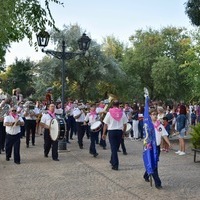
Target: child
(167, 128)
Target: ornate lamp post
(83, 42)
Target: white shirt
(77, 112)
(46, 119)
(159, 132)
(91, 119)
(114, 124)
(12, 130)
(99, 109)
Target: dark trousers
(140, 128)
(30, 129)
(13, 141)
(2, 136)
(71, 126)
(48, 143)
(123, 146)
(102, 142)
(131, 132)
(115, 137)
(80, 132)
(93, 139)
(23, 128)
(87, 130)
(155, 173)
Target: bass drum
(57, 129)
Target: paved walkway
(79, 176)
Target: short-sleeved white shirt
(114, 124)
(12, 130)
(77, 112)
(159, 132)
(91, 119)
(46, 119)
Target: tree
(22, 18)
(19, 75)
(156, 58)
(193, 11)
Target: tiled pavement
(79, 176)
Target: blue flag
(150, 155)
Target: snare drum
(57, 129)
(96, 126)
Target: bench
(195, 154)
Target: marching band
(22, 118)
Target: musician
(20, 112)
(12, 122)
(2, 134)
(48, 142)
(79, 116)
(90, 119)
(49, 96)
(30, 114)
(39, 109)
(160, 132)
(115, 122)
(128, 111)
(71, 123)
(100, 111)
(4, 107)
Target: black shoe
(90, 152)
(81, 147)
(56, 159)
(125, 153)
(115, 168)
(33, 144)
(27, 146)
(119, 151)
(104, 148)
(95, 155)
(68, 142)
(17, 162)
(159, 187)
(7, 159)
(45, 155)
(71, 138)
(147, 180)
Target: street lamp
(83, 42)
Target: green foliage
(193, 12)
(22, 18)
(195, 136)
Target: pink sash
(116, 113)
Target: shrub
(195, 136)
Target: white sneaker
(181, 153)
(177, 152)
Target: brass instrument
(4, 110)
(110, 99)
(29, 107)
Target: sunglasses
(14, 111)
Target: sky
(120, 18)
